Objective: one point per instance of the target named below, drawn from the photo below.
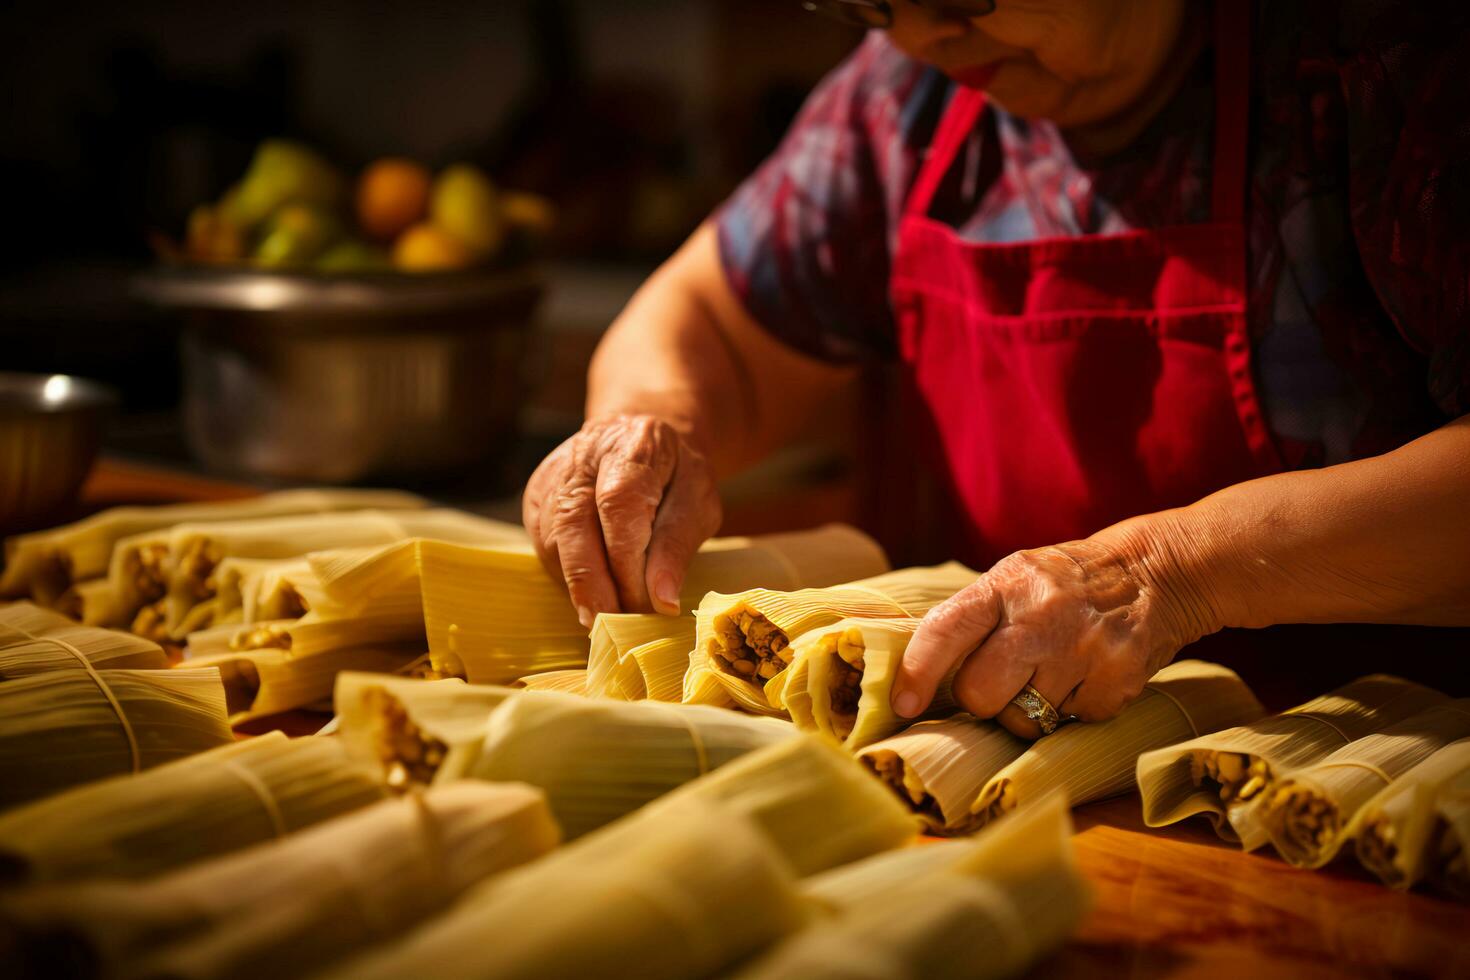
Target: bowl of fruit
(338, 329)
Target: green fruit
(282, 173)
(354, 256)
(295, 236)
(465, 205)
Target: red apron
(1075, 382)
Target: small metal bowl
(50, 431)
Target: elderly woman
(1184, 288)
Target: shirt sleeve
(1407, 91)
(805, 241)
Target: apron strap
(1232, 116)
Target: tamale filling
(409, 754)
(846, 692)
(146, 568)
(1378, 850)
(1308, 821)
(749, 646)
(1236, 777)
(905, 783)
(196, 568)
(271, 636)
(149, 622)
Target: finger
(1102, 695)
(947, 635)
(1051, 682)
(990, 679)
(629, 491)
(689, 514)
(537, 503)
(577, 533)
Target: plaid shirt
(1358, 211)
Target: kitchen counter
(1176, 902)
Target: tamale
(314, 634)
(810, 798)
(269, 681)
(639, 657)
(92, 603)
(1309, 812)
(45, 564)
(289, 907)
(1449, 870)
(35, 640)
(1094, 761)
(841, 680)
(493, 615)
(599, 760)
(408, 729)
(248, 590)
(987, 908)
(561, 681)
(208, 804)
(938, 768)
(1224, 775)
(681, 891)
(65, 727)
(743, 640)
(1396, 830)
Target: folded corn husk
(560, 681)
(1224, 775)
(938, 768)
(814, 802)
(65, 727)
(1449, 869)
(289, 907)
(743, 640)
(34, 640)
(208, 804)
(1309, 812)
(268, 681)
(599, 760)
(44, 565)
(250, 590)
(1397, 831)
(493, 615)
(408, 729)
(639, 657)
(678, 891)
(841, 679)
(982, 908)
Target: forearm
(683, 350)
(1384, 540)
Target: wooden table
(1172, 903)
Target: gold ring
(1038, 709)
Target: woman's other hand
(1084, 623)
(617, 512)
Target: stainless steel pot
(340, 378)
(50, 429)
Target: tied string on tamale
(102, 685)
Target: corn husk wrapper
(1450, 871)
(666, 893)
(492, 615)
(811, 799)
(92, 603)
(983, 908)
(938, 768)
(743, 640)
(45, 564)
(560, 681)
(35, 640)
(409, 729)
(286, 908)
(268, 681)
(1397, 831)
(1094, 761)
(1224, 775)
(65, 727)
(209, 804)
(1309, 813)
(636, 657)
(841, 680)
(599, 760)
(250, 590)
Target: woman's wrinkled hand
(617, 512)
(1083, 623)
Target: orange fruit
(425, 248)
(392, 196)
